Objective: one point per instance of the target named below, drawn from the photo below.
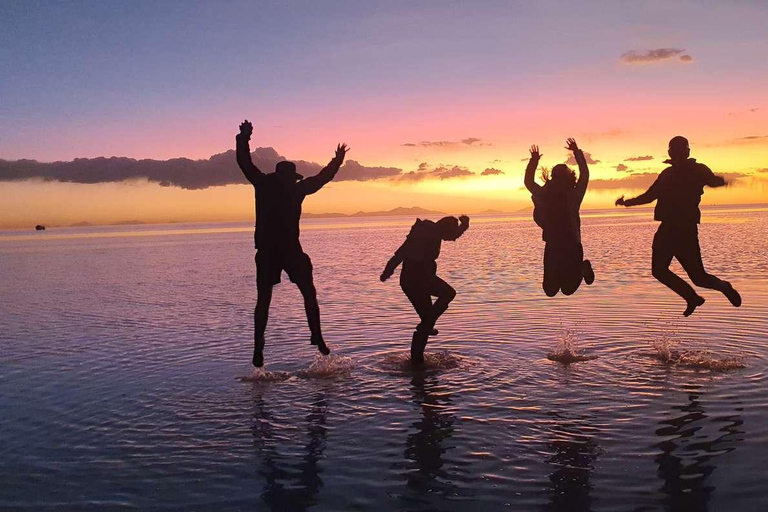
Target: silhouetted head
(448, 227)
(560, 177)
(679, 148)
(286, 172)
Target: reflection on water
(573, 458)
(120, 357)
(290, 482)
(692, 443)
(429, 440)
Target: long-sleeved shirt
(278, 204)
(677, 192)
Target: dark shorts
(270, 264)
(563, 264)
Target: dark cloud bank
(216, 171)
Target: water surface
(123, 351)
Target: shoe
(692, 305)
(589, 274)
(321, 346)
(732, 295)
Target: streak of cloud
(655, 55)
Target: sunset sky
(439, 101)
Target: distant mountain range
(414, 210)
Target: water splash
(262, 375)
(667, 352)
(566, 351)
(433, 360)
(327, 367)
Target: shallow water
(125, 377)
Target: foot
(321, 346)
(587, 272)
(693, 304)
(431, 332)
(258, 358)
(732, 295)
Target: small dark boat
(39, 227)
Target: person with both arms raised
(278, 210)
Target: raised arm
(252, 173)
(530, 171)
(316, 182)
(646, 197)
(578, 154)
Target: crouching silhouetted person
(419, 279)
(556, 211)
(677, 192)
(278, 210)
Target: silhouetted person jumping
(556, 211)
(677, 192)
(278, 210)
(419, 279)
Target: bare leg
(312, 309)
(260, 317)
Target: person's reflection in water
(426, 445)
(573, 458)
(687, 456)
(290, 485)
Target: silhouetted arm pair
(252, 173)
(314, 183)
(530, 171)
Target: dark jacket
(677, 192)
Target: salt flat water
(122, 352)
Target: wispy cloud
(622, 168)
(491, 171)
(587, 156)
(467, 142)
(441, 172)
(655, 55)
(638, 158)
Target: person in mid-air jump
(556, 211)
(677, 192)
(419, 279)
(278, 210)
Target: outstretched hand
(246, 129)
(620, 201)
(341, 151)
(571, 144)
(385, 275)
(535, 155)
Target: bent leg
(573, 268)
(444, 293)
(689, 256)
(421, 301)
(551, 281)
(663, 251)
